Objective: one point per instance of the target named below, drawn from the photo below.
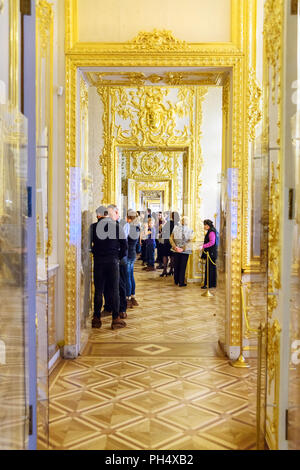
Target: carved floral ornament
(273, 27)
(273, 366)
(152, 115)
(158, 40)
(44, 13)
(273, 246)
(254, 113)
(151, 163)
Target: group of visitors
(115, 244)
(172, 238)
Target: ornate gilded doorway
(152, 50)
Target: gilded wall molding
(44, 101)
(238, 154)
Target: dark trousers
(212, 274)
(122, 288)
(159, 251)
(150, 254)
(143, 251)
(180, 262)
(107, 301)
(106, 274)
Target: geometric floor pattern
(131, 389)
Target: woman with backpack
(210, 250)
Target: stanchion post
(207, 293)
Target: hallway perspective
(160, 383)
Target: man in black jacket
(109, 247)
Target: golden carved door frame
(233, 57)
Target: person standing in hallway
(133, 237)
(113, 211)
(109, 247)
(168, 229)
(181, 241)
(159, 244)
(150, 246)
(101, 212)
(210, 250)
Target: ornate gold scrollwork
(274, 239)
(273, 364)
(254, 113)
(158, 40)
(44, 13)
(273, 37)
(152, 116)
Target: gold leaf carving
(254, 114)
(273, 364)
(152, 117)
(157, 39)
(44, 15)
(274, 238)
(273, 24)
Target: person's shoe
(117, 323)
(105, 313)
(150, 268)
(96, 322)
(163, 274)
(123, 315)
(170, 273)
(182, 285)
(129, 303)
(204, 287)
(134, 303)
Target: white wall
(121, 20)
(211, 144)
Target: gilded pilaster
(71, 256)
(253, 117)
(273, 57)
(44, 51)
(237, 162)
(71, 24)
